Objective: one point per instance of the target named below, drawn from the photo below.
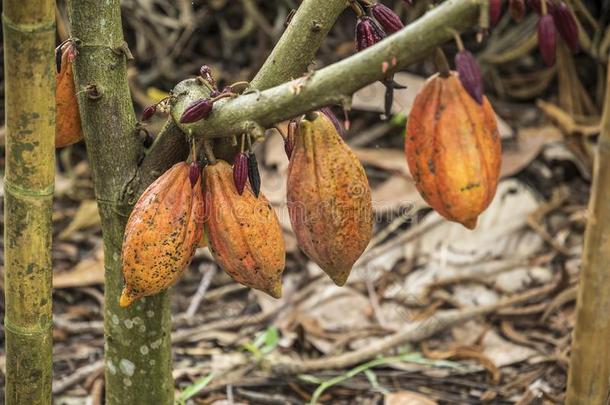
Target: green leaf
(193, 389)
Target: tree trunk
(588, 381)
(29, 40)
(137, 348)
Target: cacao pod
(162, 234)
(68, 128)
(243, 232)
(453, 149)
(329, 198)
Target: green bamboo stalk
(29, 40)
(589, 376)
(137, 339)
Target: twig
(413, 332)
(298, 45)
(208, 270)
(78, 376)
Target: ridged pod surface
(68, 128)
(162, 234)
(329, 198)
(453, 150)
(243, 232)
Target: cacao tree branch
(289, 58)
(589, 375)
(335, 83)
(138, 351)
(29, 40)
(297, 47)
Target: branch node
(123, 49)
(92, 92)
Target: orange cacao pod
(453, 150)
(162, 234)
(68, 128)
(329, 198)
(243, 232)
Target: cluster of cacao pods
(68, 128)
(329, 202)
(555, 17)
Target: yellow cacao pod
(453, 150)
(329, 198)
(68, 128)
(162, 233)
(243, 232)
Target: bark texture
(589, 376)
(29, 40)
(137, 347)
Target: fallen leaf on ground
(407, 398)
(89, 271)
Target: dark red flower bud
(194, 173)
(470, 75)
(567, 26)
(367, 33)
(387, 18)
(333, 118)
(206, 73)
(293, 126)
(197, 110)
(547, 39)
(253, 174)
(537, 6)
(240, 171)
(148, 112)
(495, 12)
(516, 8)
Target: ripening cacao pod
(68, 128)
(162, 233)
(329, 198)
(453, 150)
(243, 232)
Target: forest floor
(511, 283)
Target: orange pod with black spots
(68, 128)
(329, 198)
(243, 232)
(162, 233)
(453, 149)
